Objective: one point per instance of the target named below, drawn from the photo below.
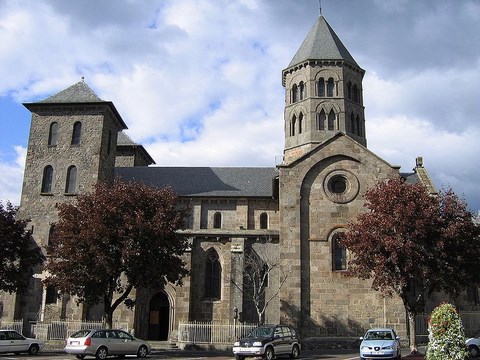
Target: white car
(381, 343)
(14, 342)
(473, 345)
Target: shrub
(446, 338)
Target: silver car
(381, 343)
(14, 342)
(105, 342)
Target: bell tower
(323, 93)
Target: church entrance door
(159, 318)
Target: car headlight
(237, 343)
(257, 343)
(389, 347)
(363, 347)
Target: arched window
(302, 90)
(71, 184)
(359, 128)
(294, 93)
(330, 86)
(321, 87)
(352, 123)
(52, 134)
(321, 120)
(349, 90)
(213, 275)
(263, 221)
(339, 253)
(331, 120)
(47, 179)
(76, 133)
(300, 123)
(217, 220)
(292, 125)
(355, 93)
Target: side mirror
(360, 338)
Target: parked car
(13, 342)
(382, 343)
(473, 345)
(268, 341)
(102, 343)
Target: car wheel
(33, 350)
(80, 356)
(142, 351)
(269, 354)
(101, 353)
(295, 352)
(238, 357)
(473, 350)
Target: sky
(198, 82)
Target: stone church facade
(291, 213)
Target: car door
(128, 342)
(17, 342)
(278, 342)
(4, 342)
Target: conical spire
(322, 43)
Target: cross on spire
(320, 3)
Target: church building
(289, 216)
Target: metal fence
(212, 333)
(12, 325)
(470, 320)
(60, 330)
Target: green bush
(446, 338)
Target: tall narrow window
(321, 120)
(294, 93)
(330, 87)
(109, 143)
(339, 253)
(76, 133)
(302, 90)
(349, 90)
(213, 275)
(70, 186)
(51, 295)
(355, 93)
(52, 134)
(217, 220)
(263, 221)
(47, 179)
(300, 123)
(331, 120)
(359, 128)
(293, 125)
(321, 87)
(352, 123)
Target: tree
(19, 254)
(119, 237)
(412, 243)
(261, 271)
(446, 337)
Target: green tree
(119, 237)
(412, 243)
(19, 254)
(446, 337)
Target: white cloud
(12, 177)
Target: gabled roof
(322, 43)
(123, 140)
(205, 181)
(79, 93)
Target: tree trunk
(411, 330)
(108, 316)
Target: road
(190, 355)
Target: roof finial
(83, 78)
(320, 3)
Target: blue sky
(198, 82)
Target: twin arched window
(47, 180)
(299, 92)
(353, 92)
(53, 133)
(355, 125)
(321, 87)
(213, 275)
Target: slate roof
(77, 93)
(322, 43)
(205, 181)
(124, 139)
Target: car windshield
(80, 333)
(378, 335)
(261, 332)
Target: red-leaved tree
(119, 237)
(412, 243)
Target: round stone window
(341, 186)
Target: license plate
(74, 342)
